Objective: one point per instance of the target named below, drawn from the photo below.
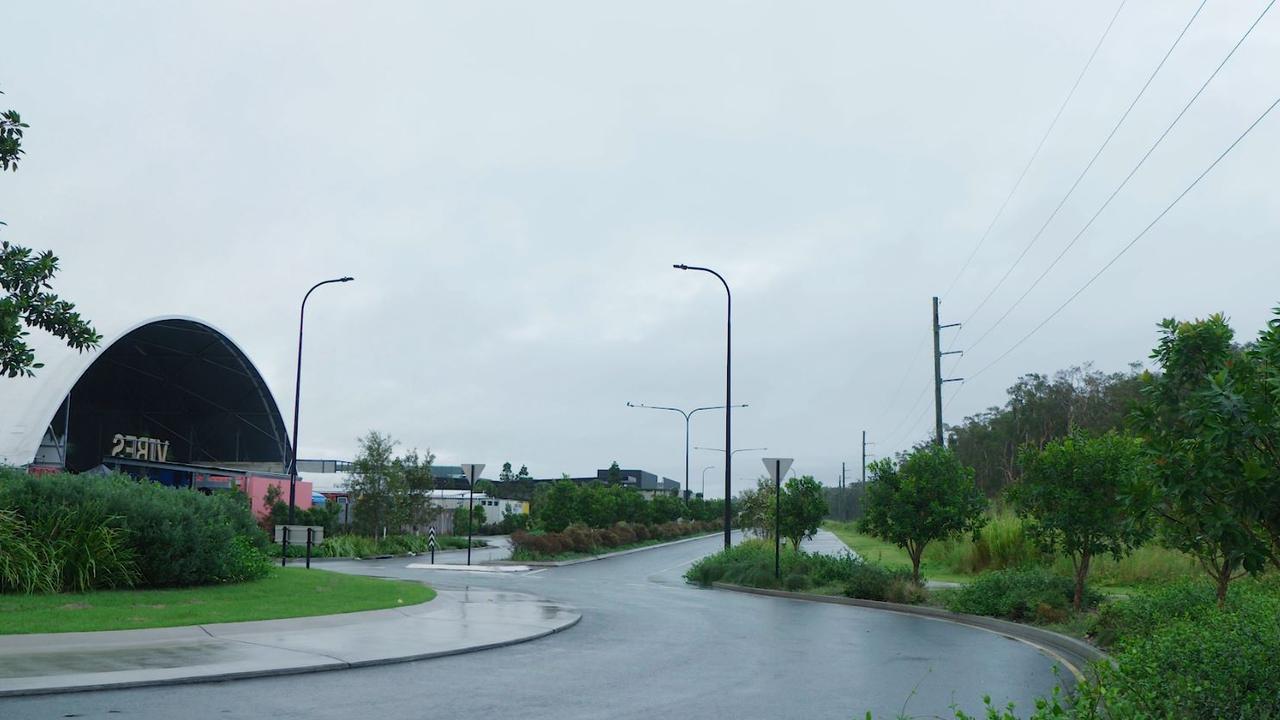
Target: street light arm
(660, 407)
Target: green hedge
(172, 537)
(751, 563)
(1018, 594)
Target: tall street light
(297, 394)
(728, 385)
(735, 452)
(686, 415)
(703, 492)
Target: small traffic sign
(778, 467)
(431, 538)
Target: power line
(1136, 238)
(1132, 172)
(1071, 190)
(1036, 154)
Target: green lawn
(286, 592)
(888, 554)
(520, 555)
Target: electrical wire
(1132, 172)
(1135, 239)
(1088, 166)
(1036, 154)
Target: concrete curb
(304, 660)
(1075, 655)
(606, 556)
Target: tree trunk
(915, 563)
(1223, 579)
(1082, 572)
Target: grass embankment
(877, 551)
(1003, 545)
(523, 555)
(284, 593)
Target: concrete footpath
(454, 622)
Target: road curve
(648, 646)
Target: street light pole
(703, 492)
(297, 394)
(728, 401)
(687, 416)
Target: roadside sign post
(431, 543)
(777, 467)
(471, 471)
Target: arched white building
(170, 398)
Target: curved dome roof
(173, 378)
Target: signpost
(431, 543)
(471, 471)
(777, 468)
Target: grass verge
(285, 593)
(878, 551)
(523, 555)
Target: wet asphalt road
(648, 646)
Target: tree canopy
(1211, 425)
(1070, 498)
(922, 496)
(26, 296)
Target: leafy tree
(556, 506)
(506, 475)
(1070, 499)
(26, 298)
(614, 476)
(1208, 421)
(460, 525)
(369, 483)
(755, 508)
(523, 475)
(804, 505)
(411, 483)
(926, 495)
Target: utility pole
(937, 371)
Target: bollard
(310, 535)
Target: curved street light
(728, 385)
(703, 492)
(297, 394)
(687, 415)
(735, 452)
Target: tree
(506, 474)
(369, 483)
(923, 496)
(460, 524)
(26, 297)
(1070, 498)
(410, 486)
(615, 474)
(804, 505)
(1209, 423)
(755, 508)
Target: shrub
(1142, 613)
(86, 548)
(24, 561)
(867, 581)
(246, 561)
(1017, 594)
(177, 537)
(348, 546)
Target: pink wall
(256, 488)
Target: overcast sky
(510, 184)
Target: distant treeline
(1040, 409)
